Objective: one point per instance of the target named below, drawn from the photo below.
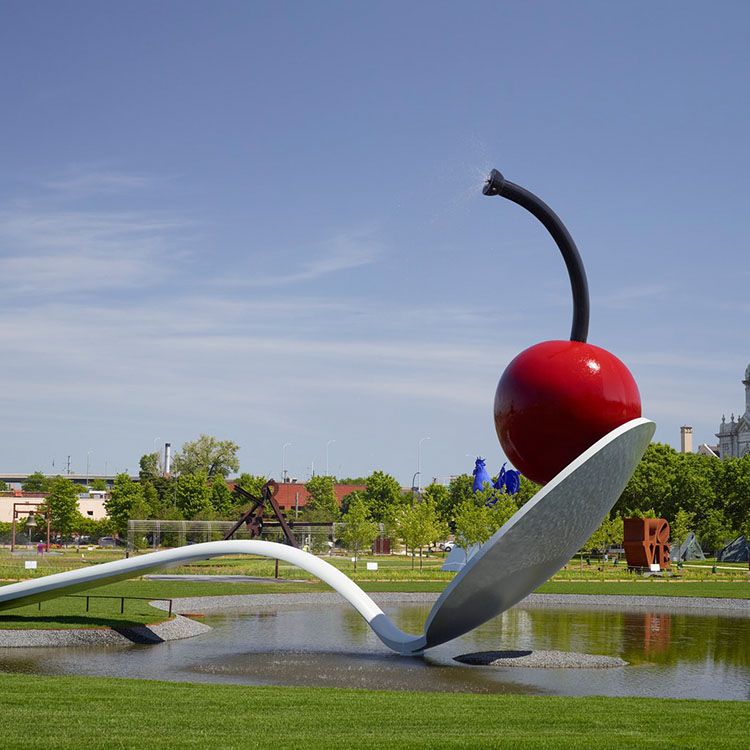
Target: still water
(670, 654)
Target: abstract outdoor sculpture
(646, 542)
(608, 440)
(557, 398)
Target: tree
(460, 489)
(526, 491)
(503, 510)
(3, 486)
(651, 485)
(36, 482)
(100, 485)
(221, 497)
(473, 525)
(359, 531)
(440, 496)
(681, 526)
(714, 530)
(208, 455)
(609, 533)
(251, 483)
(419, 525)
(321, 505)
(382, 495)
(125, 497)
(62, 505)
(192, 494)
(149, 467)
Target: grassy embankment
(75, 712)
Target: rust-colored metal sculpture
(646, 542)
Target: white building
(734, 436)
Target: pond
(669, 654)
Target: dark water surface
(670, 654)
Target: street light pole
(328, 444)
(88, 457)
(283, 461)
(419, 461)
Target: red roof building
(293, 495)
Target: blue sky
(263, 221)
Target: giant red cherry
(557, 398)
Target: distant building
(293, 496)
(734, 436)
(90, 505)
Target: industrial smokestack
(686, 439)
(167, 459)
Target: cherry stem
(497, 185)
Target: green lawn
(91, 712)
(70, 612)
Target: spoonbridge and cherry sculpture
(567, 391)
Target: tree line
(693, 492)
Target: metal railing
(89, 597)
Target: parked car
(110, 541)
(446, 546)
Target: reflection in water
(670, 654)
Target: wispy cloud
(79, 182)
(627, 296)
(50, 251)
(344, 252)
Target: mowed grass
(70, 612)
(76, 712)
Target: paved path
(221, 579)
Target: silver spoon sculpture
(531, 547)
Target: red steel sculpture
(646, 542)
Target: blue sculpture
(481, 477)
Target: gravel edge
(171, 630)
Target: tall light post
(283, 461)
(328, 445)
(419, 461)
(88, 460)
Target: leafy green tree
(208, 455)
(125, 498)
(609, 533)
(100, 485)
(221, 497)
(419, 525)
(149, 467)
(36, 482)
(440, 496)
(62, 505)
(251, 483)
(503, 510)
(3, 486)
(192, 494)
(651, 485)
(359, 531)
(681, 526)
(734, 489)
(714, 530)
(321, 506)
(460, 489)
(526, 491)
(473, 525)
(382, 495)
